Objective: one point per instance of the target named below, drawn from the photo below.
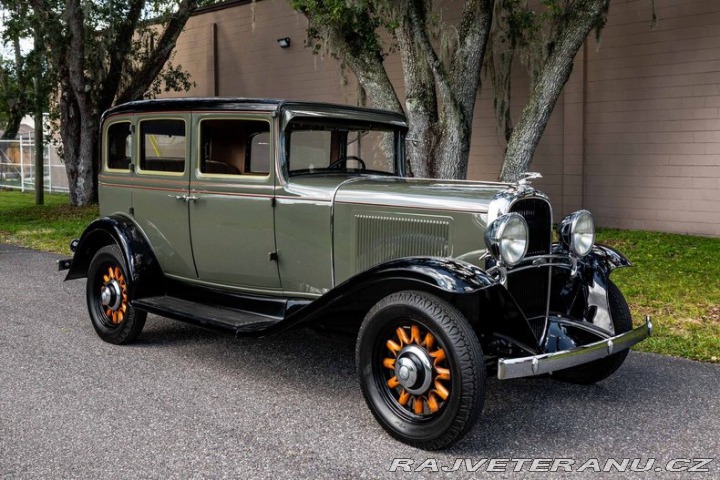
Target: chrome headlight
(577, 232)
(507, 238)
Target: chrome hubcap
(414, 369)
(111, 295)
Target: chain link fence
(17, 166)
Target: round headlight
(507, 238)
(577, 231)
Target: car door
(231, 216)
(160, 190)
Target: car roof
(239, 103)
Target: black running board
(224, 319)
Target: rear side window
(119, 146)
(162, 145)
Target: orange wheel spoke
(441, 390)
(109, 313)
(415, 334)
(120, 316)
(438, 355)
(393, 382)
(432, 403)
(402, 336)
(393, 347)
(418, 406)
(442, 373)
(106, 279)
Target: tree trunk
(17, 105)
(582, 17)
(457, 83)
(420, 98)
(79, 140)
(13, 124)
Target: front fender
(604, 259)
(454, 280)
(483, 301)
(597, 267)
(143, 268)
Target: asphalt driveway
(187, 403)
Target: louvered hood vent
(381, 237)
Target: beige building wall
(635, 136)
(653, 118)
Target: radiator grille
(530, 287)
(380, 238)
(537, 216)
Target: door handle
(187, 198)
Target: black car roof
(239, 103)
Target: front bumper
(551, 362)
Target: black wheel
(114, 319)
(600, 369)
(421, 369)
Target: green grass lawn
(676, 278)
(48, 227)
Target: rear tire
(115, 320)
(437, 399)
(597, 370)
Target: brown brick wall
(635, 136)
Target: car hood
(434, 194)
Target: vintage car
(255, 216)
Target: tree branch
(121, 46)
(582, 16)
(366, 65)
(154, 64)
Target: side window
(234, 147)
(119, 146)
(162, 145)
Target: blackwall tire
(409, 329)
(112, 316)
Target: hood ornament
(526, 177)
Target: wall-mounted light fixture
(284, 42)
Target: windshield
(322, 148)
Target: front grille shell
(530, 287)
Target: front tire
(598, 370)
(421, 369)
(112, 316)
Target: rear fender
(143, 268)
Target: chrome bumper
(550, 362)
